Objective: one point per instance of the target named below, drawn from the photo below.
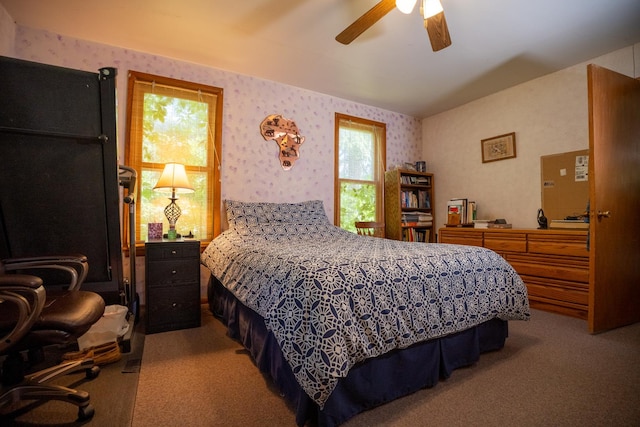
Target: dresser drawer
(571, 244)
(461, 237)
(557, 290)
(500, 242)
(165, 273)
(558, 296)
(551, 267)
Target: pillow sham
(246, 214)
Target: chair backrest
(370, 228)
(23, 298)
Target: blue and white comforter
(333, 298)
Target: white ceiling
(496, 43)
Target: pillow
(244, 214)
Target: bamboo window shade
(160, 137)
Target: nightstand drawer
(172, 251)
(173, 308)
(165, 273)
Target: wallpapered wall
(7, 33)
(251, 170)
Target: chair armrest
(28, 295)
(19, 280)
(75, 264)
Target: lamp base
(172, 236)
(179, 236)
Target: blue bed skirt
(370, 383)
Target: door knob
(604, 214)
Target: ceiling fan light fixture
(431, 8)
(406, 6)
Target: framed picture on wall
(499, 147)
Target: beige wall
(549, 115)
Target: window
(175, 121)
(360, 164)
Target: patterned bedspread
(333, 298)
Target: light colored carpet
(200, 377)
(551, 372)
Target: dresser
(172, 285)
(554, 264)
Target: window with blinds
(175, 121)
(360, 147)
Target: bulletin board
(565, 184)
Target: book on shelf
(423, 180)
(416, 199)
(417, 216)
(409, 199)
(471, 212)
(415, 235)
(481, 223)
(571, 224)
(417, 224)
(456, 211)
(460, 211)
(499, 225)
(424, 199)
(415, 180)
(417, 219)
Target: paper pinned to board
(582, 168)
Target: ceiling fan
(431, 10)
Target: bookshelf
(408, 202)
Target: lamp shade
(174, 178)
(431, 8)
(405, 6)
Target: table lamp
(174, 179)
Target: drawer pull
(174, 305)
(173, 252)
(173, 271)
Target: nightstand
(172, 285)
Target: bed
(343, 323)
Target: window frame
(379, 156)
(213, 168)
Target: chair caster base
(86, 413)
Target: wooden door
(614, 191)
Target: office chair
(33, 317)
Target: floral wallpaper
(250, 168)
(7, 33)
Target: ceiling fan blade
(365, 21)
(438, 31)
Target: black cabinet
(172, 285)
(59, 170)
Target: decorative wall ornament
(499, 147)
(285, 133)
